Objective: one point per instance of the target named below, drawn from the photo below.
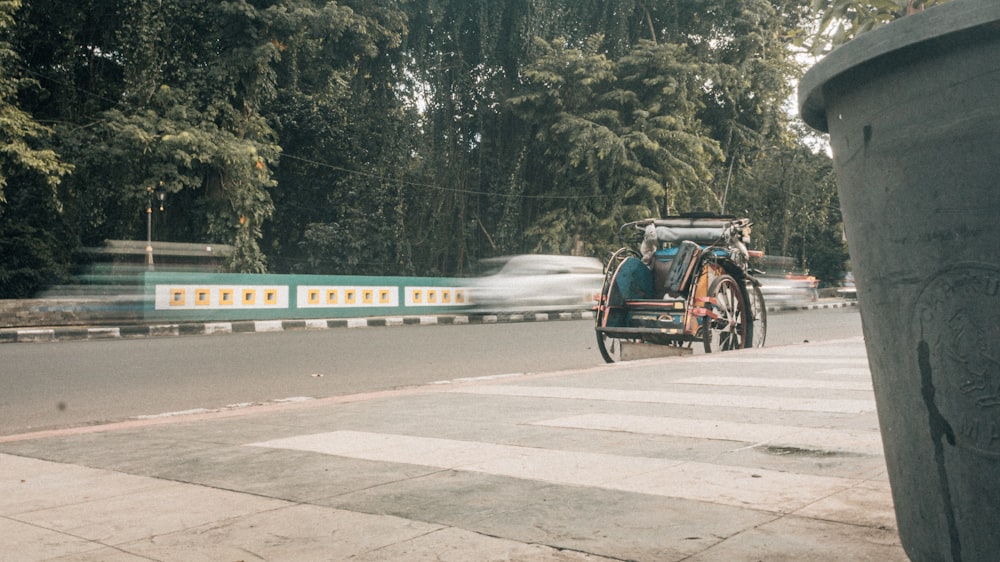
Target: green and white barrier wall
(222, 296)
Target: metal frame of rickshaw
(713, 299)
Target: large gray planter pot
(913, 112)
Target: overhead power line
(435, 186)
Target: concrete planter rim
(951, 19)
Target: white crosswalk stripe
(749, 358)
(781, 403)
(760, 382)
(820, 439)
(761, 489)
(840, 391)
(860, 372)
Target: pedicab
(681, 281)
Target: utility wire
(435, 186)
(410, 183)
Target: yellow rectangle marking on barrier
(208, 296)
(443, 296)
(202, 297)
(177, 297)
(346, 296)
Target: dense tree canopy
(390, 136)
(842, 20)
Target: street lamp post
(160, 195)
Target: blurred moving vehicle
(789, 290)
(537, 282)
(847, 288)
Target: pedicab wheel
(759, 311)
(611, 348)
(728, 325)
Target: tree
(791, 194)
(501, 195)
(18, 129)
(167, 93)
(200, 127)
(408, 137)
(842, 20)
(612, 141)
(32, 254)
(344, 134)
(464, 60)
(36, 249)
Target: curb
(76, 333)
(815, 306)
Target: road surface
(61, 384)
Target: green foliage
(34, 251)
(791, 194)
(614, 140)
(393, 137)
(21, 136)
(29, 260)
(341, 122)
(828, 256)
(842, 20)
(36, 247)
(190, 77)
(200, 126)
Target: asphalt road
(61, 384)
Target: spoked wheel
(759, 313)
(729, 321)
(610, 348)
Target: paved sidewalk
(769, 454)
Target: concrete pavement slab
(297, 532)
(868, 504)
(660, 460)
(165, 508)
(31, 486)
(457, 545)
(795, 539)
(25, 541)
(614, 524)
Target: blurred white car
(537, 282)
(789, 290)
(848, 290)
